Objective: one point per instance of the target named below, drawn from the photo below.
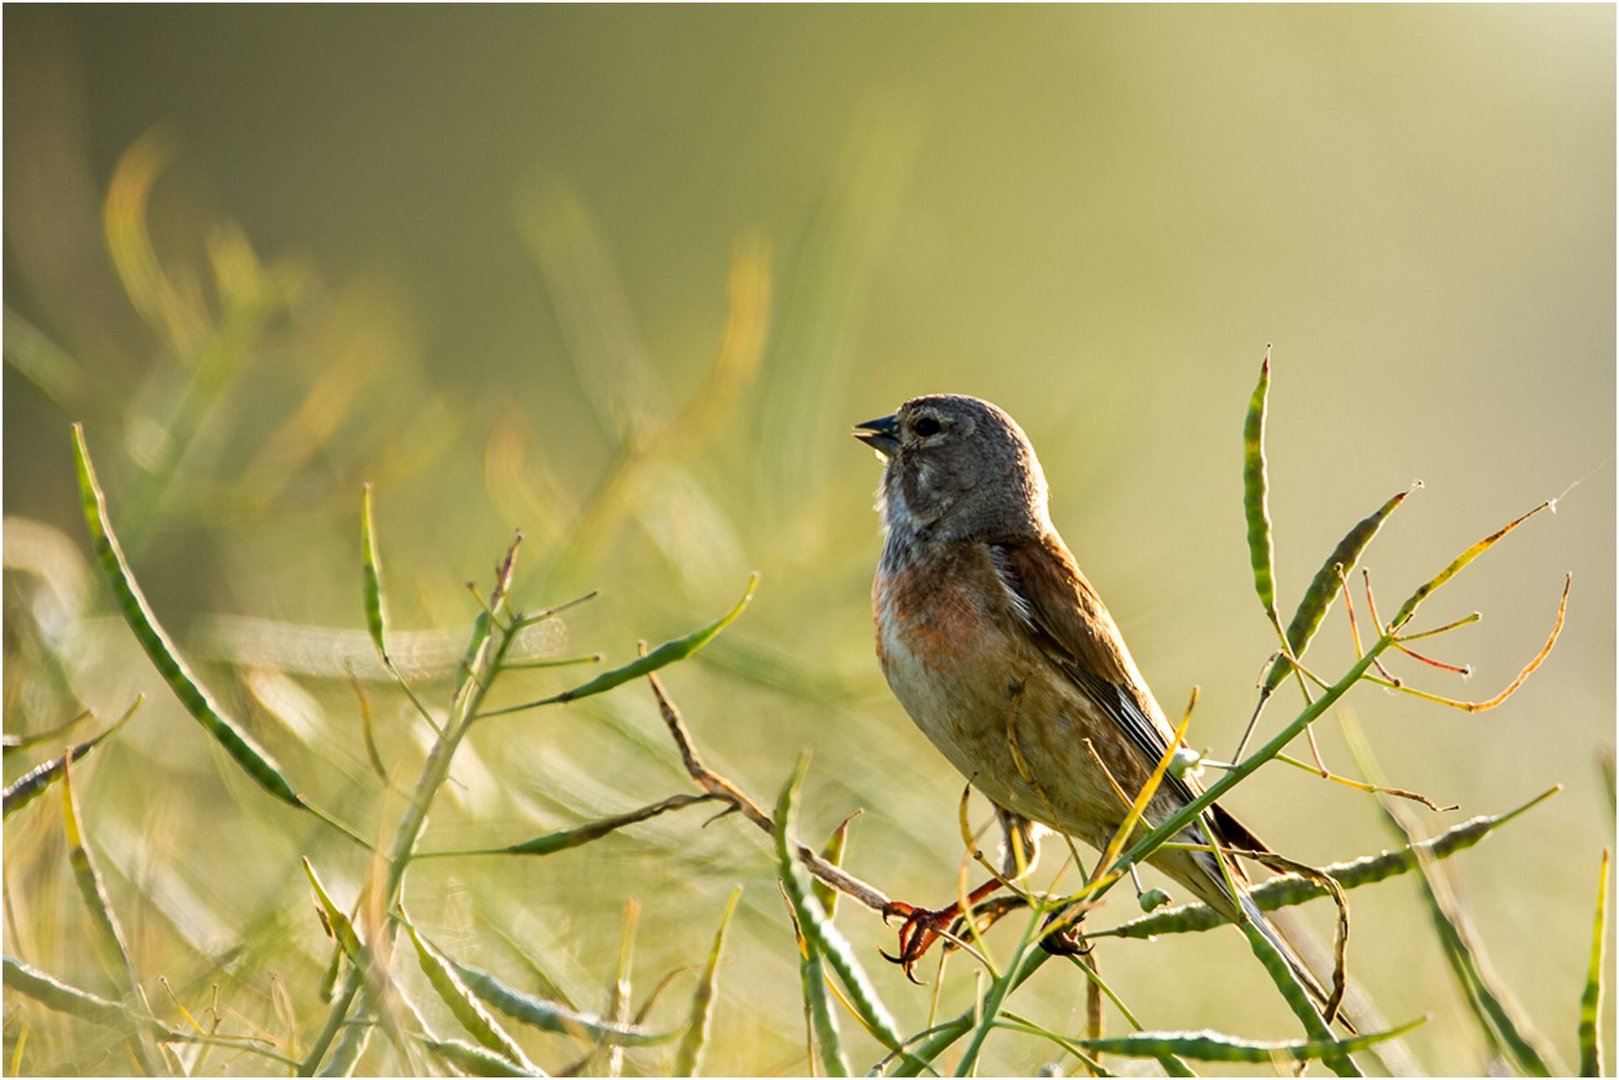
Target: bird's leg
(923, 926)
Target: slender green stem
(951, 1030)
(487, 657)
(247, 1046)
(998, 991)
(1245, 768)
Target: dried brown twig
(717, 785)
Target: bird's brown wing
(1072, 626)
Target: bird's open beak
(881, 434)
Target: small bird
(1007, 659)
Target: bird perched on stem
(1007, 659)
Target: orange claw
(923, 926)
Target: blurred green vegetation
(621, 278)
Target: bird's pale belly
(936, 672)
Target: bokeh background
(487, 258)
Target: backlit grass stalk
(1301, 723)
(465, 1007)
(668, 653)
(137, 613)
(376, 616)
(689, 1058)
(1591, 996)
(1323, 588)
(823, 1022)
(989, 1008)
(553, 1017)
(472, 1059)
(109, 935)
(818, 930)
(62, 997)
(1215, 1046)
(1291, 889)
(1256, 495)
(495, 629)
(32, 784)
(490, 642)
(1499, 1017)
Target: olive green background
(513, 228)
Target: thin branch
(712, 782)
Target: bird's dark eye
(926, 426)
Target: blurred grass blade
(375, 619)
(10, 742)
(138, 614)
(1498, 1016)
(619, 993)
(550, 1016)
(747, 324)
(42, 362)
(175, 314)
(827, 283)
(592, 308)
(1323, 588)
(1255, 495)
(474, 1060)
(689, 1058)
(651, 1000)
(328, 979)
(373, 754)
(1456, 565)
(647, 443)
(1217, 1046)
(469, 659)
(1591, 998)
(29, 786)
(819, 933)
(336, 920)
(109, 936)
(466, 1008)
(1290, 889)
(54, 994)
(668, 653)
(349, 1049)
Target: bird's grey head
(957, 468)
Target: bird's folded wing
(1071, 624)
